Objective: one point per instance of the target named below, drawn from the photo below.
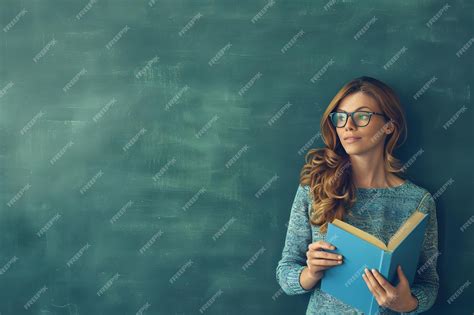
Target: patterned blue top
(379, 211)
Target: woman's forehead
(358, 101)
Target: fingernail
(373, 270)
(340, 257)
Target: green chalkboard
(150, 150)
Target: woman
(355, 178)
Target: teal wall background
(150, 150)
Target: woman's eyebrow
(355, 109)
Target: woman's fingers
(318, 259)
(323, 255)
(326, 255)
(315, 250)
(373, 284)
(324, 262)
(320, 244)
(383, 282)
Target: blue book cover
(362, 250)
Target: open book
(362, 250)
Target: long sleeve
(426, 282)
(298, 237)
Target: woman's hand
(398, 299)
(319, 260)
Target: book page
(405, 229)
(359, 233)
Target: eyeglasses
(360, 118)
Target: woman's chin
(355, 151)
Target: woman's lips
(352, 139)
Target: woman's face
(367, 138)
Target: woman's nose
(350, 124)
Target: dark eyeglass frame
(347, 114)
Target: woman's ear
(389, 127)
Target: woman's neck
(368, 171)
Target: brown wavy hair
(327, 170)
